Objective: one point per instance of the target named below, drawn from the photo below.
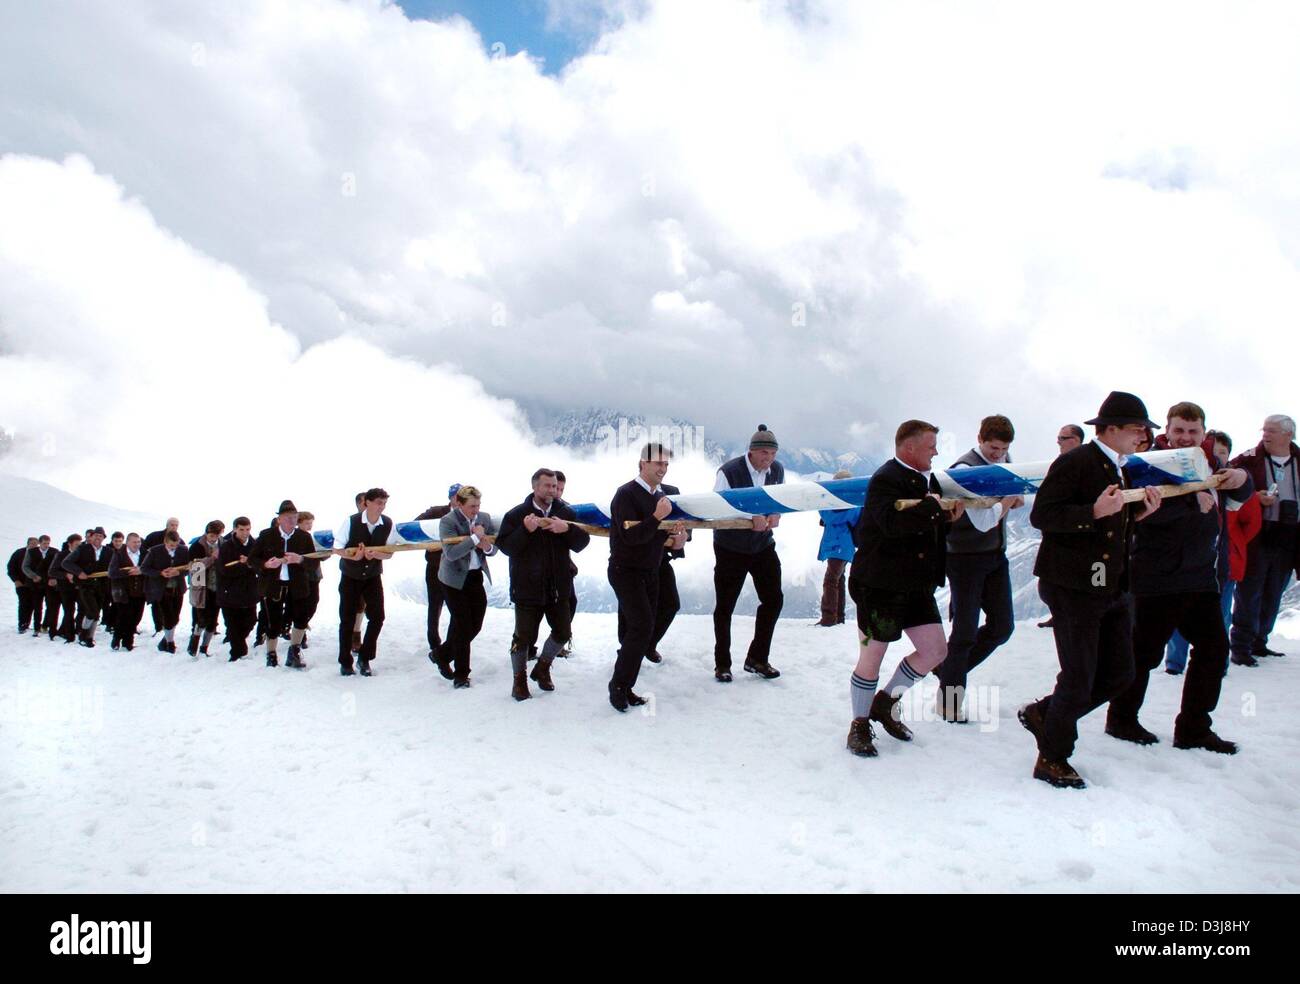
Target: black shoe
(365, 666)
(722, 676)
(1059, 773)
(653, 656)
(260, 639)
(634, 700)
(884, 709)
(1246, 660)
(1209, 741)
(1265, 651)
(443, 663)
(171, 647)
(193, 647)
(1130, 731)
(1173, 672)
(87, 641)
(1031, 717)
(235, 659)
(1046, 625)
(294, 659)
(272, 660)
(162, 645)
(204, 651)
(861, 739)
(129, 646)
(460, 683)
(618, 699)
(345, 669)
(115, 645)
(764, 669)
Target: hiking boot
(1209, 741)
(763, 668)
(542, 675)
(1130, 731)
(520, 689)
(885, 710)
(1059, 773)
(861, 740)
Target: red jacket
(1243, 526)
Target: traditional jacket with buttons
(901, 550)
(1077, 551)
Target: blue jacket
(837, 541)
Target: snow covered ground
(150, 772)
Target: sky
(249, 247)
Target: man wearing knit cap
(748, 553)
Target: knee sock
(903, 678)
(863, 692)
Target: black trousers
(204, 619)
(1094, 644)
(92, 599)
(169, 608)
(468, 606)
(312, 602)
(156, 612)
(30, 602)
(239, 622)
(128, 615)
(283, 611)
(729, 572)
(68, 601)
(1270, 559)
(980, 582)
(669, 603)
(437, 595)
(638, 601)
(528, 620)
(1199, 617)
(353, 593)
(53, 602)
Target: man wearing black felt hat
(1083, 576)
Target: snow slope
(149, 772)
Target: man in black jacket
(1083, 576)
(635, 554)
(152, 540)
(66, 588)
(277, 555)
(164, 568)
(748, 553)
(1176, 587)
(237, 586)
(21, 584)
(537, 536)
(897, 567)
(435, 590)
(91, 557)
(36, 570)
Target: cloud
(828, 216)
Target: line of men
(1120, 579)
(1097, 554)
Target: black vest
(358, 536)
(746, 541)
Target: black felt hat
(1123, 408)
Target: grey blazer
(454, 566)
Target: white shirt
(1119, 460)
(341, 533)
(917, 470)
(135, 557)
(284, 568)
(545, 510)
(759, 478)
(475, 558)
(653, 491)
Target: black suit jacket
(270, 543)
(900, 549)
(1077, 551)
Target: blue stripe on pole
(992, 481)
